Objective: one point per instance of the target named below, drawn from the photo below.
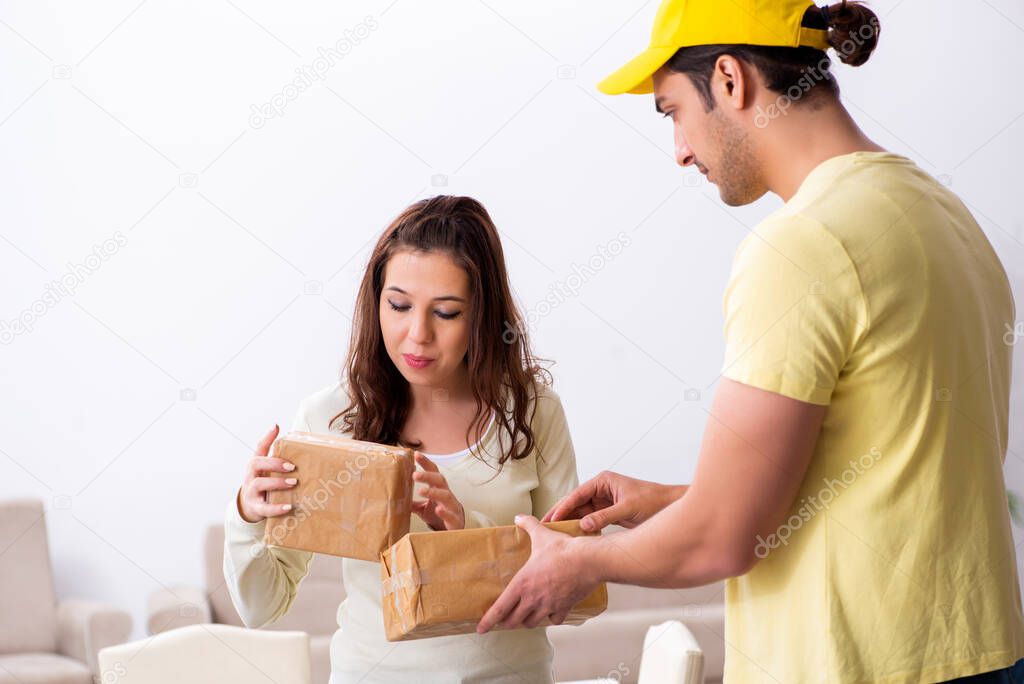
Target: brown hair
(853, 31)
(503, 373)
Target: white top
(451, 458)
(263, 585)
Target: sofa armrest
(178, 606)
(84, 627)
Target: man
(849, 486)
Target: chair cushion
(42, 668)
(28, 621)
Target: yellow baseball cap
(685, 23)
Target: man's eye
(448, 316)
(667, 115)
(399, 307)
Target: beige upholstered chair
(314, 610)
(43, 640)
(612, 645)
(209, 654)
(671, 654)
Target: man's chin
(732, 198)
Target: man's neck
(792, 146)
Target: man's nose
(684, 155)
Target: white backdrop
(210, 225)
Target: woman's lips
(417, 362)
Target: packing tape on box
(505, 566)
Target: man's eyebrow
(657, 104)
(444, 298)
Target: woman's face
(423, 316)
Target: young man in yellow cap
(849, 486)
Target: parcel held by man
(353, 498)
(442, 583)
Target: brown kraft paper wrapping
(353, 499)
(442, 583)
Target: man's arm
(755, 453)
(756, 449)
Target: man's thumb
(528, 523)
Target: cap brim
(635, 76)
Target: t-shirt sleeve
(556, 458)
(794, 310)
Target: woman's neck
(455, 390)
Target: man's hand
(553, 580)
(613, 499)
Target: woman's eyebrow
(444, 298)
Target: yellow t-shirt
(873, 291)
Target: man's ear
(729, 83)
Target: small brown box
(353, 499)
(442, 583)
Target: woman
(432, 366)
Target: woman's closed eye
(446, 315)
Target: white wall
(132, 122)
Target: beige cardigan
(263, 585)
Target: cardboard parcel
(353, 499)
(442, 583)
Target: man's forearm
(676, 548)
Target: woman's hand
(252, 497)
(439, 509)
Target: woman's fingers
(266, 510)
(265, 484)
(432, 479)
(425, 463)
(265, 464)
(452, 519)
(263, 448)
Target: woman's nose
(420, 332)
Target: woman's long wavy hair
(503, 373)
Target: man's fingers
(263, 448)
(573, 500)
(598, 520)
(537, 617)
(501, 608)
(518, 616)
(559, 617)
